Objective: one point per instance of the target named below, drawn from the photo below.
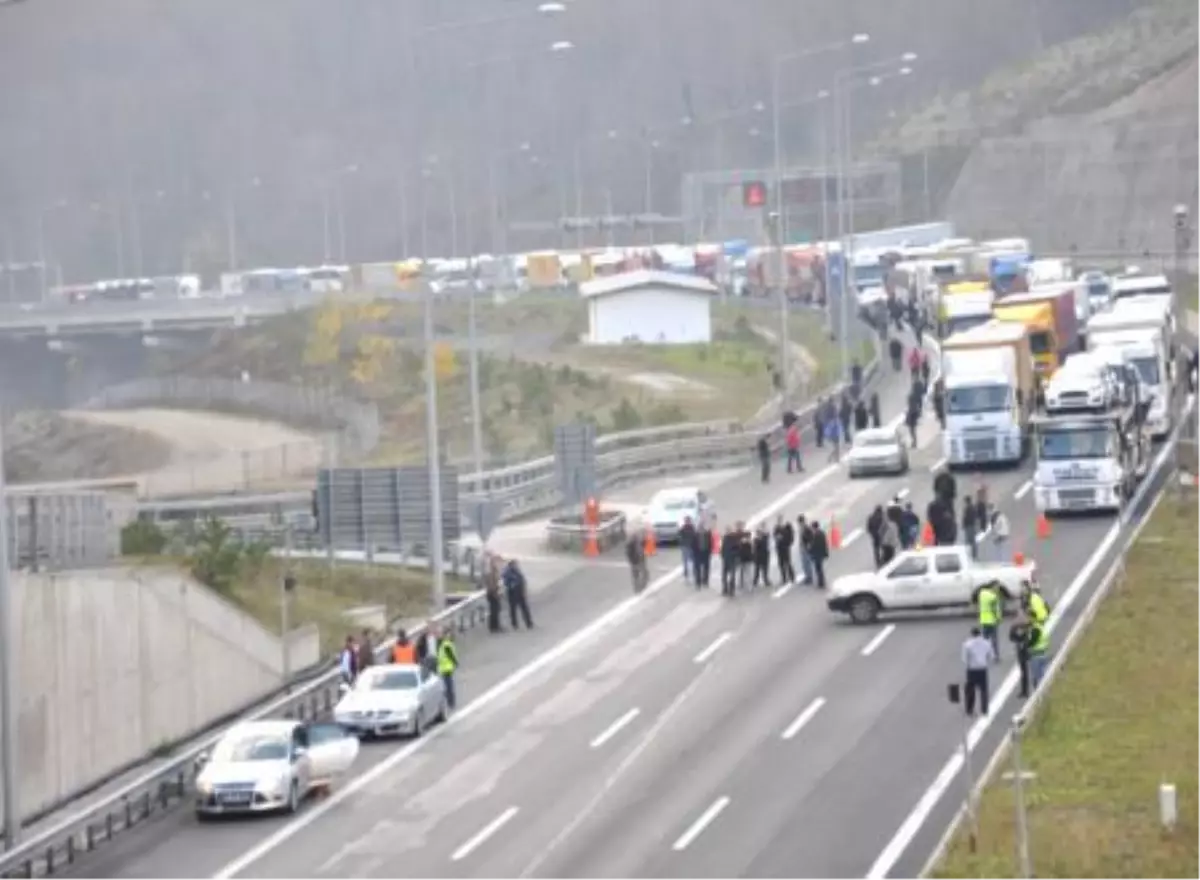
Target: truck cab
(1088, 462)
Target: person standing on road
(764, 458)
(427, 646)
(977, 655)
(846, 415)
(875, 533)
(1039, 610)
(862, 418)
(889, 541)
(366, 651)
(804, 536)
(939, 402)
(896, 352)
(793, 449)
(403, 651)
(970, 528)
(702, 555)
(876, 419)
(729, 562)
(687, 548)
(990, 614)
(1039, 653)
(784, 536)
(348, 661)
(635, 552)
(819, 421)
(516, 588)
(491, 586)
(1000, 534)
(762, 556)
(819, 552)
(1019, 636)
(447, 665)
(910, 527)
(745, 555)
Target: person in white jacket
(1000, 534)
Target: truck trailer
(1053, 325)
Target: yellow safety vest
(989, 607)
(1040, 643)
(1038, 609)
(447, 659)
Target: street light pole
(780, 258)
(8, 679)
(435, 548)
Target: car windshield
(1147, 368)
(1039, 342)
(674, 504)
(974, 399)
(250, 747)
(389, 680)
(1080, 443)
(868, 440)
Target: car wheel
(293, 801)
(419, 725)
(864, 609)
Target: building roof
(627, 281)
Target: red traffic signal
(754, 194)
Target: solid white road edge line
(615, 728)
(1023, 490)
(782, 591)
(481, 838)
(851, 538)
(915, 821)
(717, 644)
(804, 717)
(939, 464)
(903, 493)
(700, 824)
(501, 688)
(872, 646)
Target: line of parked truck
(1079, 372)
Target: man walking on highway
(762, 556)
(1019, 635)
(702, 555)
(804, 536)
(687, 548)
(729, 562)
(764, 458)
(977, 655)
(785, 537)
(819, 553)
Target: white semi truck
(990, 394)
(1089, 462)
(1142, 331)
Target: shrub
(142, 537)
(625, 417)
(216, 556)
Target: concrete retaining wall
(113, 664)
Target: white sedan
(877, 451)
(670, 507)
(393, 700)
(265, 766)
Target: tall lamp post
(781, 220)
(43, 213)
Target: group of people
(976, 520)
(1029, 635)
(835, 421)
(434, 649)
(504, 577)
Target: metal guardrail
(170, 784)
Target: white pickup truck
(928, 579)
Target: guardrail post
(89, 837)
(71, 850)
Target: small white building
(649, 307)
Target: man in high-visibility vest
(1039, 610)
(1039, 653)
(403, 651)
(447, 664)
(990, 613)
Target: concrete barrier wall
(113, 664)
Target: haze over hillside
(162, 115)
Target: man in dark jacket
(939, 402)
(845, 414)
(784, 536)
(764, 458)
(911, 418)
(819, 553)
(819, 421)
(762, 557)
(687, 549)
(491, 586)
(517, 592)
(1019, 635)
(876, 420)
(862, 418)
(910, 526)
(729, 562)
(804, 536)
(702, 560)
(745, 555)
(875, 533)
(970, 526)
(945, 486)
(896, 352)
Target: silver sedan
(877, 451)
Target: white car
(877, 451)
(265, 766)
(394, 700)
(928, 579)
(670, 507)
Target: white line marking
(780, 592)
(481, 838)
(615, 728)
(915, 820)
(939, 464)
(495, 693)
(700, 824)
(704, 655)
(873, 645)
(804, 717)
(1023, 490)
(851, 538)
(903, 493)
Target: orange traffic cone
(927, 534)
(591, 547)
(1043, 527)
(835, 534)
(651, 546)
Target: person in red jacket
(793, 448)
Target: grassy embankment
(534, 373)
(1120, 719)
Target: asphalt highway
(679, 734)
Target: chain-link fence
(349, 430)
(63, 530)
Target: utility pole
(435, 550)
(8, 678)
(780, 257)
